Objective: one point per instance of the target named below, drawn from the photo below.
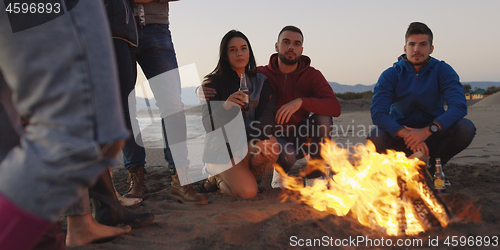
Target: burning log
(402, 200)
(383, 191)
(432, 201)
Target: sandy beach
(265, 222)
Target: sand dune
(493, 100)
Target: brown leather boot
(137, 179)
(187, 193)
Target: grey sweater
(157, 12)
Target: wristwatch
(434, 128)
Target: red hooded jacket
(305, 82)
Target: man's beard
(416, 63)
(287, 61)
(421, 62)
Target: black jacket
(215, 117)
(122, 21)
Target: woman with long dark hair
(237, 163)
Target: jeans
(133, 154)
(156, 56)
(444, 144)
(293, 143)
(63, 79)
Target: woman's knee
(244, 192)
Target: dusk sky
(350, 42)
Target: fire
(383, 191)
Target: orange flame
(367, 185)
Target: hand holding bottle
(239, 98)
(236, 99)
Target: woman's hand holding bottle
(235, 99)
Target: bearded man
(305, 102)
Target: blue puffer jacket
(404, 97)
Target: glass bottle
(244, 89)
(439, 178)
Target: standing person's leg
(54, 238)
(83, 228)
(134, 154)
(63, 79)
(158, 61)
(156, 56)
(166, 150)
(9, 120)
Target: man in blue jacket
(408, 103)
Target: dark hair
(293, 29)
(418, 28)
(223, 68)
